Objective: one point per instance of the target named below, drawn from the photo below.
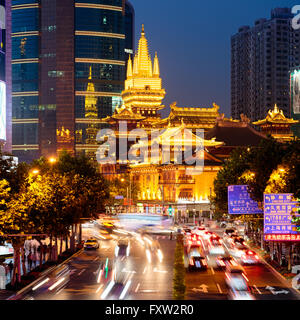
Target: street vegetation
(49, 199)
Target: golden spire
(156, 66)
(129, 67)
(135, 65)
(144, 66)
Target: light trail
(40, 284)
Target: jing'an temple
(161, 185)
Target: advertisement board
(278, 217)
(240, 202)
(2, 110)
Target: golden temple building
(163, 181)
(143, 92)
(194, 118)
(277, 125)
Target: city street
(149, 281)
(152, 280)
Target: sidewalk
(5, 294)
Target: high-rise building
(2, 76)
(68, 72)
(261, 59)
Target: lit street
(151, 279)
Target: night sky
(192, 39)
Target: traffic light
(170, 211)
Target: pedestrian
(29, 260)
(171, 235)
(10, 268)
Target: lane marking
(82, 271)
(212, 270)
(96, 258)
(99, 288)
(257, 289)
(219, 288)
(137, 288)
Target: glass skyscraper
(68, 72)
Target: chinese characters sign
(240, 202)
(278, 218)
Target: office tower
(2, 77)
(68, 72)
(261, 59)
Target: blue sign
(278, 213)
(240, 202)
(119, 197)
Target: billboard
(240, 202)
(2, 110)
(278, 218)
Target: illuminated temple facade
(162, 184)
(277, 125)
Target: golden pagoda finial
(156, 66)
(144, 66)
(129, 67)
(143, 29)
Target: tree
(265, 160)
(238, 162)
(179, 271)
(122, 187)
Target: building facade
(261, 59)
(2, 76)
(68, 72)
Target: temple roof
(123, 113)
(192, 116)
(235, 134)
(275, 116)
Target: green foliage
(179, 287)
(230, 174)
(117, 187)
(266, 159)
(54, 199)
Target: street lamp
(35, 171)
(52, 160)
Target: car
(193, 240)
(122, 249)
(229, 231)
(235, 277)
(238, 250)
(240, 295)
(197, 263)
(207, 235)
(240, 240)
(91, 243)
(187, 231)
(194, 251)
(216, 250)
(223, 261)
(250, 257)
